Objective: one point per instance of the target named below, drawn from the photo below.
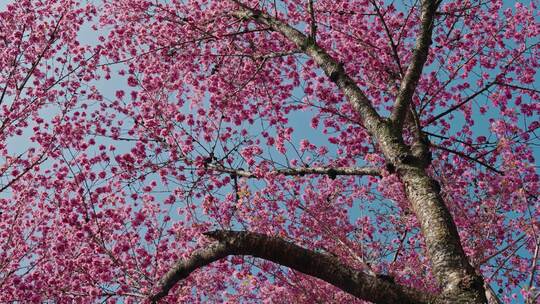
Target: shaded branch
(414, 71)
(313, 23)
(277, 250)
(331, 172)
(516, 87)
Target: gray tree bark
(319, 265)
(457, 278)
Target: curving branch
(277, 250)
(414, 71)
(183, 268)
(332, 172)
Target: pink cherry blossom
(390, 142)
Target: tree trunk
(458, 279)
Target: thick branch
(313, 23)
(331, 172)
(331, 67)
(414, 71)
(309, 262)
(183, 268)
(450, 264)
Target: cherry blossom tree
(291, 151)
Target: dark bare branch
(38, 162)
(414, 71)
(517, 87)
(390, 38)
(464, 155)
(486, 87)
(277, 250)
(313, 23)
(489, 257)
(459, 105)
(330, 171)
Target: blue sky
(298, 120)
